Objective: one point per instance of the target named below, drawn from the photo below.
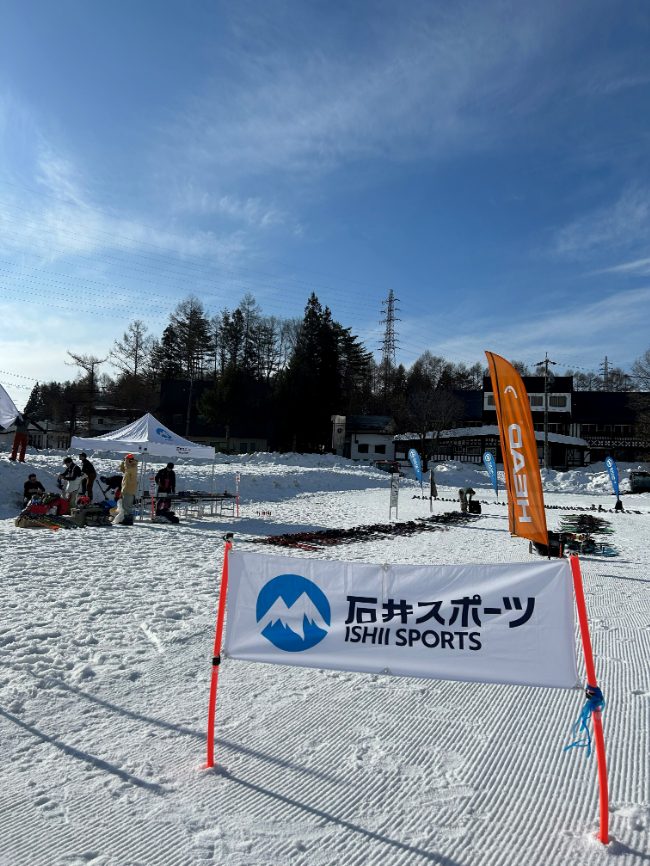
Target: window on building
(380, 449)
(490, 399)
(536, 399)
(100, 422)
(362, 447)
(557, 400)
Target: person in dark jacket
(21, 437)
(71, 477)
(88, 476)
(32, 487)
(166, 480)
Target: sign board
(394, 493)
(338, 433)
(505, 623)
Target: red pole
(216, 657)
(591, 681)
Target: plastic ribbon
(582, 736)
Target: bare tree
(641, 400)
(88, 364)
(431, 404)
(130, 354)
(641, 371)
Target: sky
(488, 162)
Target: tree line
(280, 379)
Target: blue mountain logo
(293, 613)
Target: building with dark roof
(582, 426)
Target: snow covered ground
(106, 638)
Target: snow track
(105, 643)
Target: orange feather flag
(519, 449)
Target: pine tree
(328, 373)
(36, 407)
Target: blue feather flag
(612, 469)
(491, 466)
(416, 463)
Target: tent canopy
(8, 411)
(145, 436)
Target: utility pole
(545, 364)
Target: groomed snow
(106, 640)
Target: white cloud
(638, 267)
(422, 82)
(626, 222)
(61, 221)
(250, 211)
(59, 178)
(617, 326)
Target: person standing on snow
(166, 481)
(88, 476)
(72, 478)
(21, 439)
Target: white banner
(509, 623)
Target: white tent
(145, 436)
(8, 411)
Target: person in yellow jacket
(129, 468)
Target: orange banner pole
(216, 653)
(578, 589)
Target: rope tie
(582, 736)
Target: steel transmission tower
(389, 343)
(605, 368)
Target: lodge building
(582, 427)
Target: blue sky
(488, 161)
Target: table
(200, 504)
